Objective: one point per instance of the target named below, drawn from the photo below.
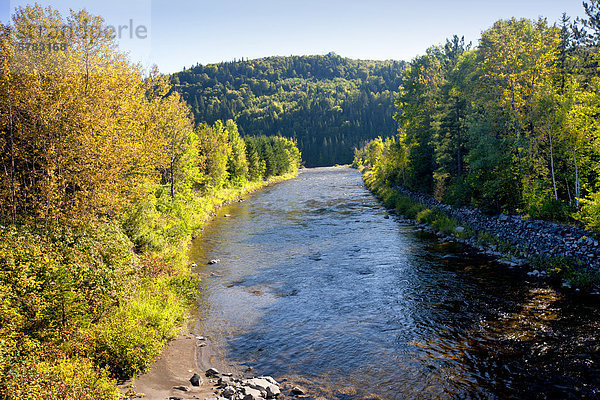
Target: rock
(227, 215)
(273, 391)
(196, 380)
(200, 338)
(297, 391)
(212, 372)
(194, 265)
(269, 379)
(459, 229)
(265, 385)
(182, 388)
(257, 383)
(215, 261)
(228, 391)
(175, 398)
(225, 381)
(251, 394)
(502, 217)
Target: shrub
(127, 342)
(589, 214)
(550, 209)
(67, 379)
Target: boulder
(226, 381)
(228, 391)
(297, 391)
(251, 394)
(269, 379)
(212, 372)
(273, 391)
(196, 380)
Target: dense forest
(510, 126)
(104, 179)
(328, 104)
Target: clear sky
(185, 32)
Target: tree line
(328, 104)
(105, 176)
(509, 126)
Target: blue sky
(183, 33)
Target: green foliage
(237, 164)
(214, 151)
(102, 195)
(327, 104)
(510, 126)
(563, 270)
(136, 332)
(412, 209)
(590, 212)
(276, 156)
(66, 379)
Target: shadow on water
(317, 287)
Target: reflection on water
(316, 286)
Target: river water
(319, 286)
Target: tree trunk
(576, 181)
(552, 166)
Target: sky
(183, 33)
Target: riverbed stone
(269, 379)
(212, 372)
(273, 391)
(298, 391)
(251, 394)
(226, 381)
(196, 380)
(228, 391)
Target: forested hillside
(328, 104)
(511, 126)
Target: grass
(412, 209)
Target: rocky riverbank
(176, 376)
(530, 237)
(567, 254)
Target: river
(318, 285)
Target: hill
(328, 104)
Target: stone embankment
(530, 238)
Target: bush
(589, 214)
(550, 209)
(67, 379)
(127, 342)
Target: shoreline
(565, 255)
